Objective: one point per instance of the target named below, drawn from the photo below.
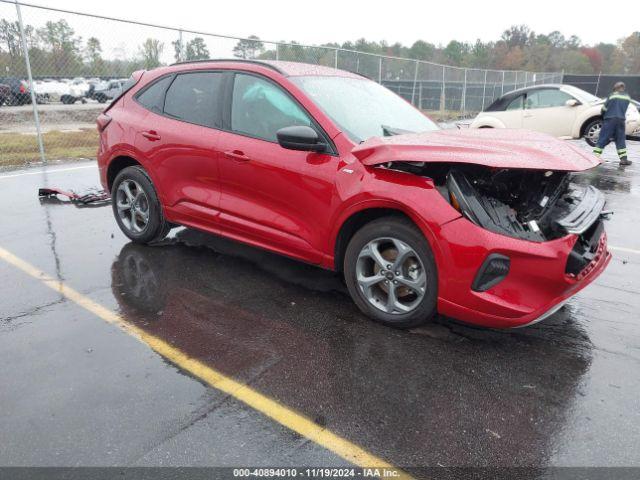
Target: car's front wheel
(592, 131)
(136, 206)
(391, 273)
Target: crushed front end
(525, 242)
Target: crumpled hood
(500, 148)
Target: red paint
(295, 203)
(494, 147)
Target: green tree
(60, 41)
(93, 56)
(422, 50)
(197, 49)
(248, 48)
(150, 52)
(178, 49)
(517, 36)
(455, 51)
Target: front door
(271, 196)
(546, 111)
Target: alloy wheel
(133, 206)
(391, 275)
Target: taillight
(102, 121)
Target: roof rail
(238, 60)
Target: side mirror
(572, 102)
(300, 138)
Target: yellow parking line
(624, 249)
(245, 394)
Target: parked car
(18, 91)
(319, 164)
(108, 90)
(563, 111)
(5, 91)
(50, 90)
(78, 90)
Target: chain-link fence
(78, 62)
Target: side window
(516, 104)
(152, 97)
(259, 108)
(193, 97)
(547, 98)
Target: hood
(499, 148)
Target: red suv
(333, 169)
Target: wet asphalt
(76, 391)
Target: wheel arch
(358, 217)
(116, 165)
(586, 122)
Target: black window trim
(226, 122)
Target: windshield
(583, 96)
(362, 108)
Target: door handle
(237, 155)
(151, 135)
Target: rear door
(180, 139)
(271, 196)
(546, 111)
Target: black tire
(591, 124)
(405, 231)
(13, 100)
(101, 98)
(156, 227)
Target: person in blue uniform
(614, 112)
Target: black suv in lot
(14, 91)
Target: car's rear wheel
(391, 274)
(136, 206)
(592, 131)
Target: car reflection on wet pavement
(563, 392)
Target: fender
(583, 118)
(426, 229)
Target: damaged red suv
(333, 169)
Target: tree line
(56, 50)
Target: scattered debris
(91, 198)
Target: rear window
(193, 98)
(152, 97)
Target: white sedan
(563, 111)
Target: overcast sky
(399, 21)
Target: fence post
(597, 84)
(180, 56)
(502, 87)
(277, 52)
(380, 71)
(415, 81)
(443, 95)
(484, 89)
(336, 59)
(463, 103)
(32, 92)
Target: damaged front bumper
(539, 281)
